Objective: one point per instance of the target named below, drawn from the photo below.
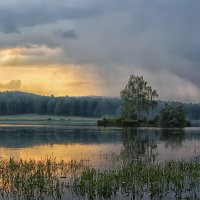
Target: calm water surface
(101, 147)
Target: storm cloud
(68, 34)
(112, 38)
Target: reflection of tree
(141, 144)
(172, 137)
(138, 145)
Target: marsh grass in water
(169, 180)
(37, 179)
(49, 179)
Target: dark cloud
(69, 34)
(11, 85)
(115, 37)
(37, 13)
(155, 35)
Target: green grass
(46, 119)
(35, 117)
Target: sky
(91, 47)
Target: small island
(137, 99)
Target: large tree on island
(137, 96)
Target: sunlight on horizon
(68, 80)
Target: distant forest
(13, 103)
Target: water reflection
(98, 144)
(173, 138)
(22, 137)
(138, 144)
(142, 144)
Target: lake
(102, 148)
(98, 145)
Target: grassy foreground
(36, 180)
(170, 180)
(49, 179)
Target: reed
(36, 179)
(170, 180)
(50, 179)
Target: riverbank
(45, 119)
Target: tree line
(13, 103)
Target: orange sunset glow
(46, 80)
(62, 152)
(28, 69)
